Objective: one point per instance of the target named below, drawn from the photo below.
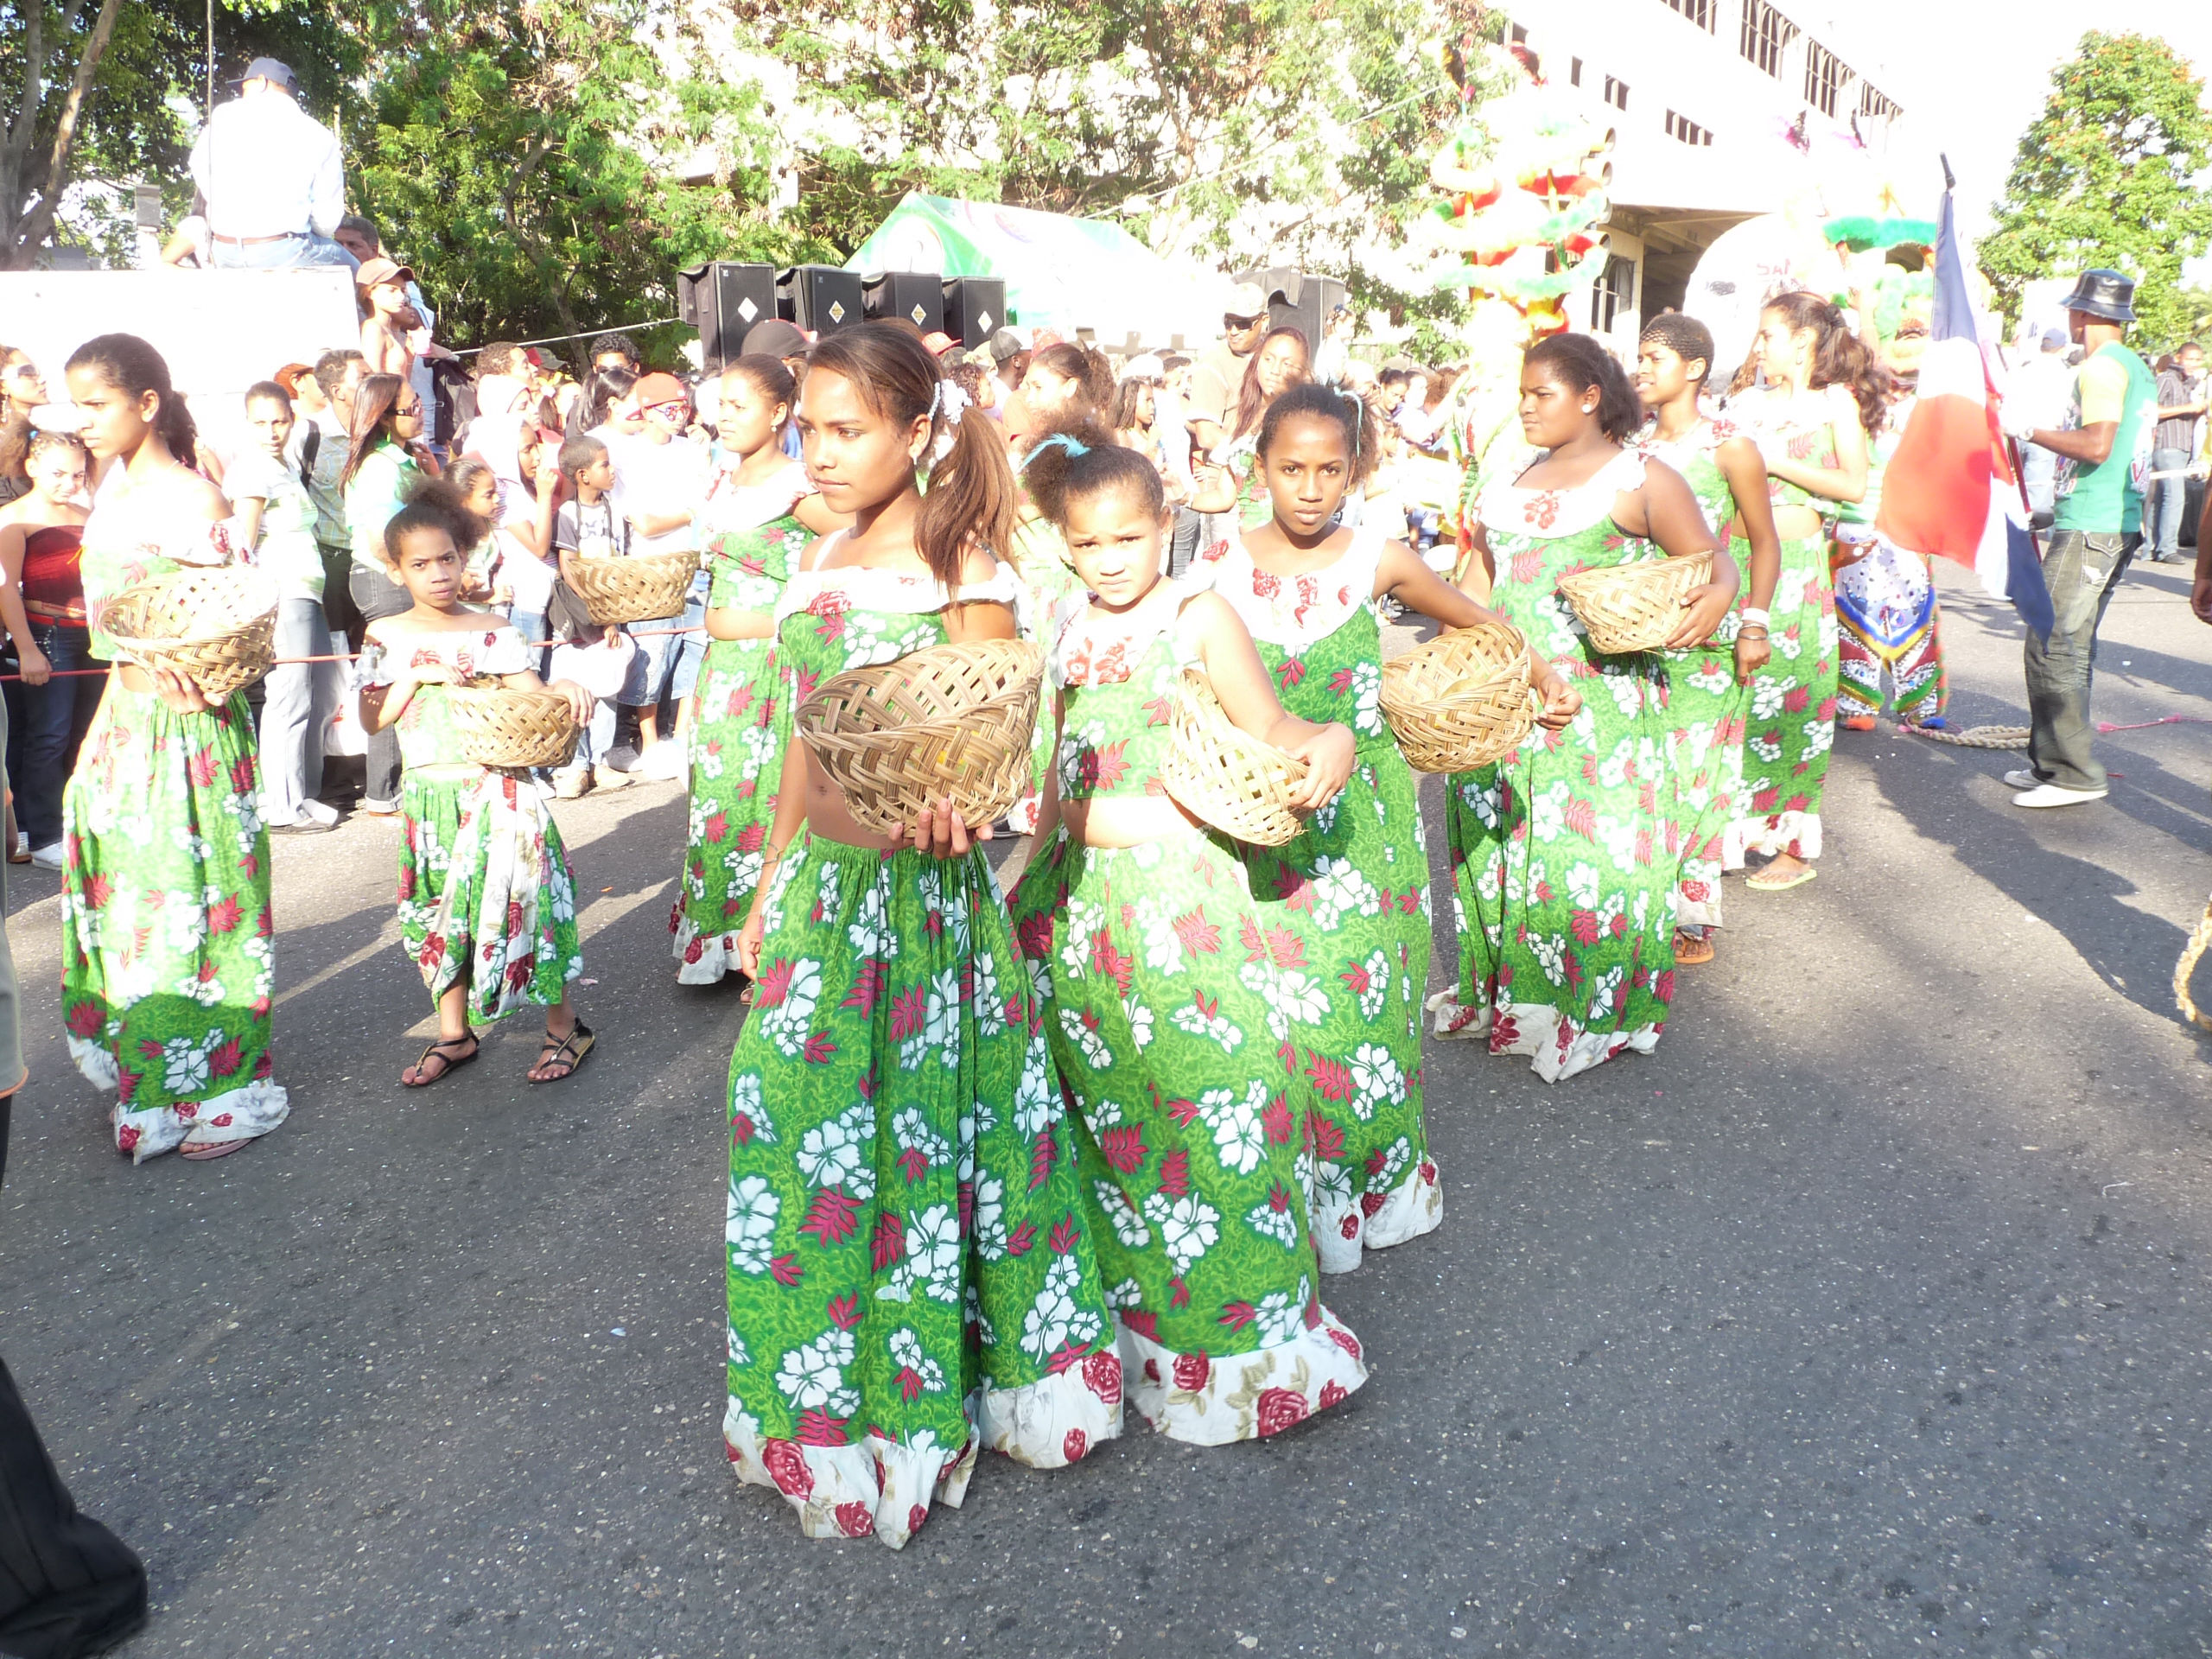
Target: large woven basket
(216, 626)
(1631, 607)
(644, 587)
(1461, 701)
(952, 722)
(1228, 778)
(503, 726)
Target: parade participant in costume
(1162, 997)
(895, 1123)
(1824, 391)
(1706, 702)
(759, 514)
(1566, 895)
(1348, 899)
(487, 907)
(168, 955)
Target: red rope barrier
(345, 656)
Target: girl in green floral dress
(759, 516)
(487, 907)
(1825, 391)
(911, 1277)
(168, 946)
(1708, 696)
(1565, 888)
(1163, 985)
(1349, 896)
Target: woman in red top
(43, 606)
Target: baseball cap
(1145, 367)
(269, 69)
(661, 389)
(373, 271)
(2055, 340)
(939, 342)
(774, 337)
(1005, 344)
(1246, 300)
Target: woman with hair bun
(1824, 391)
(1559, 851)
(895, 1123)
(168, 962)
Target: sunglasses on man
(1236, 325)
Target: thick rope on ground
(1974, 737)
(2199, 938)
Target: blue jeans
(285, 254)
(2166, 505)
(55, 717)
(2081, 568)
(666, 666)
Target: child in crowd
(276, 521)
(487, 907)
(1163, 995)
(760, 514)
(586, 526)
(41, 532)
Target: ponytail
(133, 367)
(1840, 356)
(1078, 461)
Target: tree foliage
(2105, 177)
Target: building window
(1873, 104)
(1824, 78)
(1616, 93)
(1681, 127)
(1615, 292)
(1574, 71)
(1766, 36)
(1516, 36)
(1700, 12)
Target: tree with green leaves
(2108, 176)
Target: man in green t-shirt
(2104, 453)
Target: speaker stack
(722, 301)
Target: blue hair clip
(1075, 447)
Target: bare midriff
(724, 623)
(1125, 820)
(1795, 524)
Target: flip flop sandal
(1757, 885)
(571, 1051)
(450, 1063)
(1691, 949)
(205, 1150)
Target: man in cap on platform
(2103, 451)
(271, 178)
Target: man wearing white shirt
(271, 177)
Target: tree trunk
(24, 237)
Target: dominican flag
(1951, 487)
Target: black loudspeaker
(821, 298)
(722, 301)
(1298, 301)
(974, 310)
(915, 296)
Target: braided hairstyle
(1686, 337)
(1581, 363)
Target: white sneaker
(320, 811)
(2022, 778)
(665, 760)
(48, 857)
(605, 776)
(2052, 795)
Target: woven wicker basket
(644, 587)
(1461, 701)
(950, 723)
(217, 626)
(1228, 778)
(1631, 607)
(502, 726)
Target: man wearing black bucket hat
(271, 177)
(2103, 453)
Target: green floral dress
(1705, 706)
(1347, 901)
(910, 1275)
(740, 720)
(1159, 982)
(1791, 726)
(486, 895)
(169, 943)
(1564, 886)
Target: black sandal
(571, 1051)
(449, 1063)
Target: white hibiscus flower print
(920, 1146)
(184, 1063)
(840, 1153)
(934, 1252)
(1120, 1215)
(1376, 968)
(990, 1221)
(1339, 890)
(1583, 886)
(1280, 1316)
(1548, 811)
(1189, 1227)
(749, 1224)
(1036, 1100)
(908, 1354)
(1127, 1294)
(1240, 1140)
(1278, 1225)
(1088, 1043)
(1376, 1077)
(785, 1022)
(1550, 951)
(1766, 748)
(812, 1377)
(1139, 1015)
(870, 929)
(738, 1354)
(1767, 694)
(1053, 1320)
(1196, 1018)
(1295, 1000)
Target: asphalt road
(1869, 1315)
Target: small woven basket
(952, 722)
(215, 626)
(644, 587)
(1631, 607)
(1228, 778)
(502, 726)
(1461, 701)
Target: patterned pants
(1887, 618)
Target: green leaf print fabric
(1560, 871)
(740, 720)
(1345, 918)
